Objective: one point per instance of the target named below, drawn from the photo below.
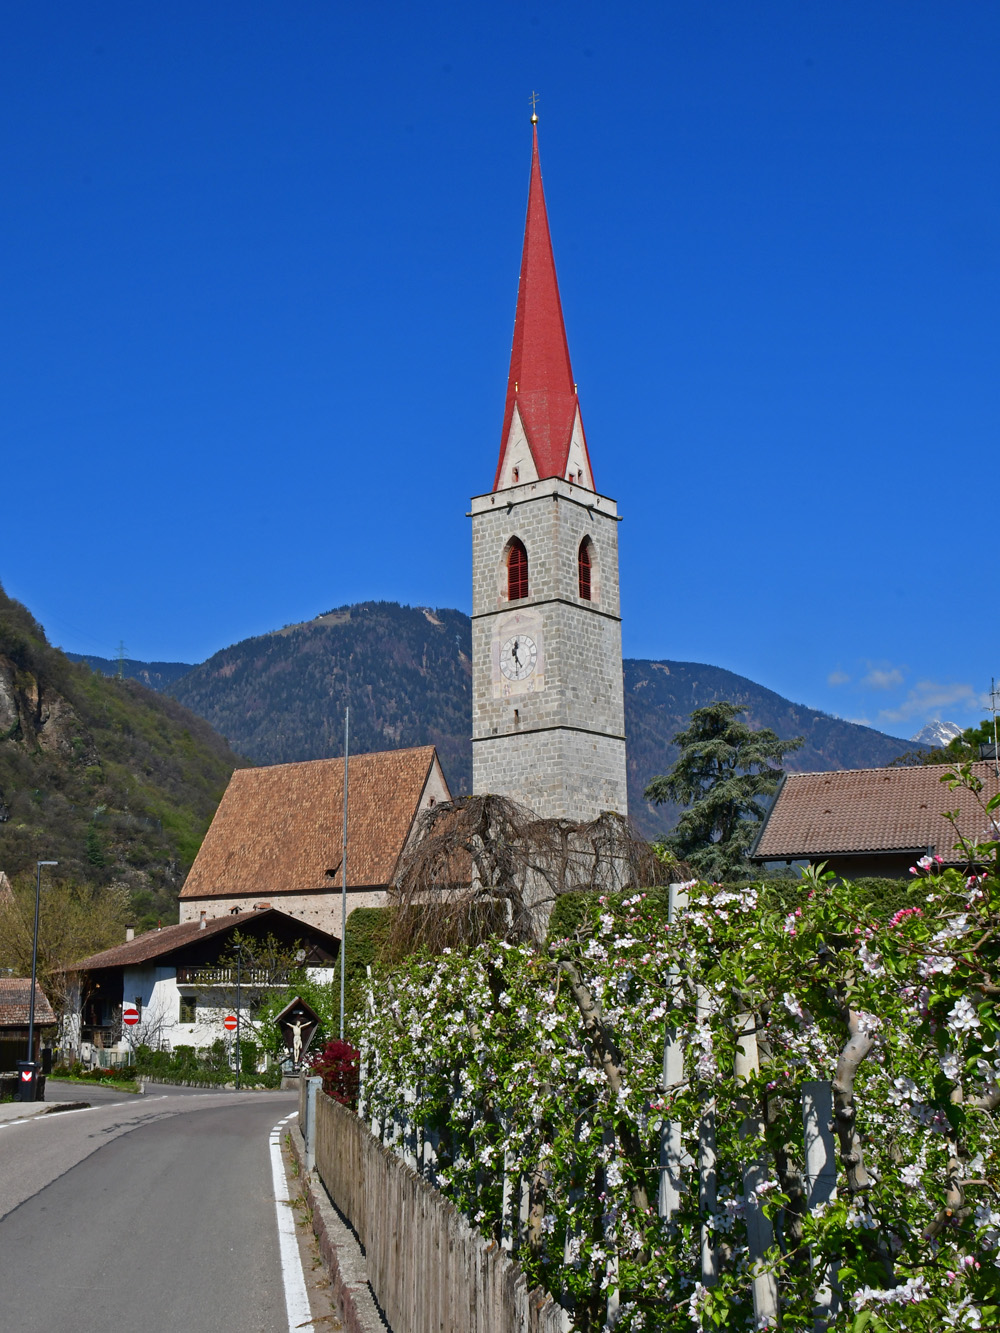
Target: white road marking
(296, 1297)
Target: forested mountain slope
(112, 780)
(154, 675)
(407, 674)
(660, 697)
(405, 671)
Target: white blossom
(963, 1016)
(935, 963)
(951, 1065)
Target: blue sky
(258, 267)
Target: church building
(548, 694)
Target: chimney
(129, 933)
(202, 923)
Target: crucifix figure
(296, 1028)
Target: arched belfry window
(517, 571)
(584, 566)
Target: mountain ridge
(407, 674)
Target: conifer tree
(724, 767)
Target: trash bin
(27, 1080)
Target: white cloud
(837, 677)
(929, 698)
(883, 678)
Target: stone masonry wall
(560, 774)
(319, 908)
(578, 686)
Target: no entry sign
(130, 1017)
(229, 1022)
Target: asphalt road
(151, 1213)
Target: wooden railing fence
(430, 1269)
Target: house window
(583, 561)
(517, 571)
(189, 1009)
(515, 475)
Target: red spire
(541, 377)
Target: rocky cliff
(113, 781)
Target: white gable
(518, 465)
(577, 467)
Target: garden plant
(627, 1108)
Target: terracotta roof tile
(872, 810)
(15, 1000)
(280, 827)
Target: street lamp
(239, 1010)
(34, 959)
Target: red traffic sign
(27, 1075)
(229, 1022)
(130, 1017)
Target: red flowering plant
(338, 1066)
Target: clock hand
(513, 653)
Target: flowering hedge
(538, 1075)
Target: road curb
(340, 1251)
(11, 1113)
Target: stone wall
(318, 907)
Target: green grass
(120, 1085)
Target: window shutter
(584, 564)
(517, 571)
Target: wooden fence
(430, 1269)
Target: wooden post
(760, 1234)
(821, 1188)
(508, 1206)
(671, 1153)
(707, 1179)
(614, 1295)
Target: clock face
(518, 656)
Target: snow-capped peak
(937, 734)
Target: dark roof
(280, 828)
(15, 1001)
(160, 944)
(873, 810)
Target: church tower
(548, 700)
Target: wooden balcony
(226, 976)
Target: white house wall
(161, 1027)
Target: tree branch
(844, 1111)
(606, 1049)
